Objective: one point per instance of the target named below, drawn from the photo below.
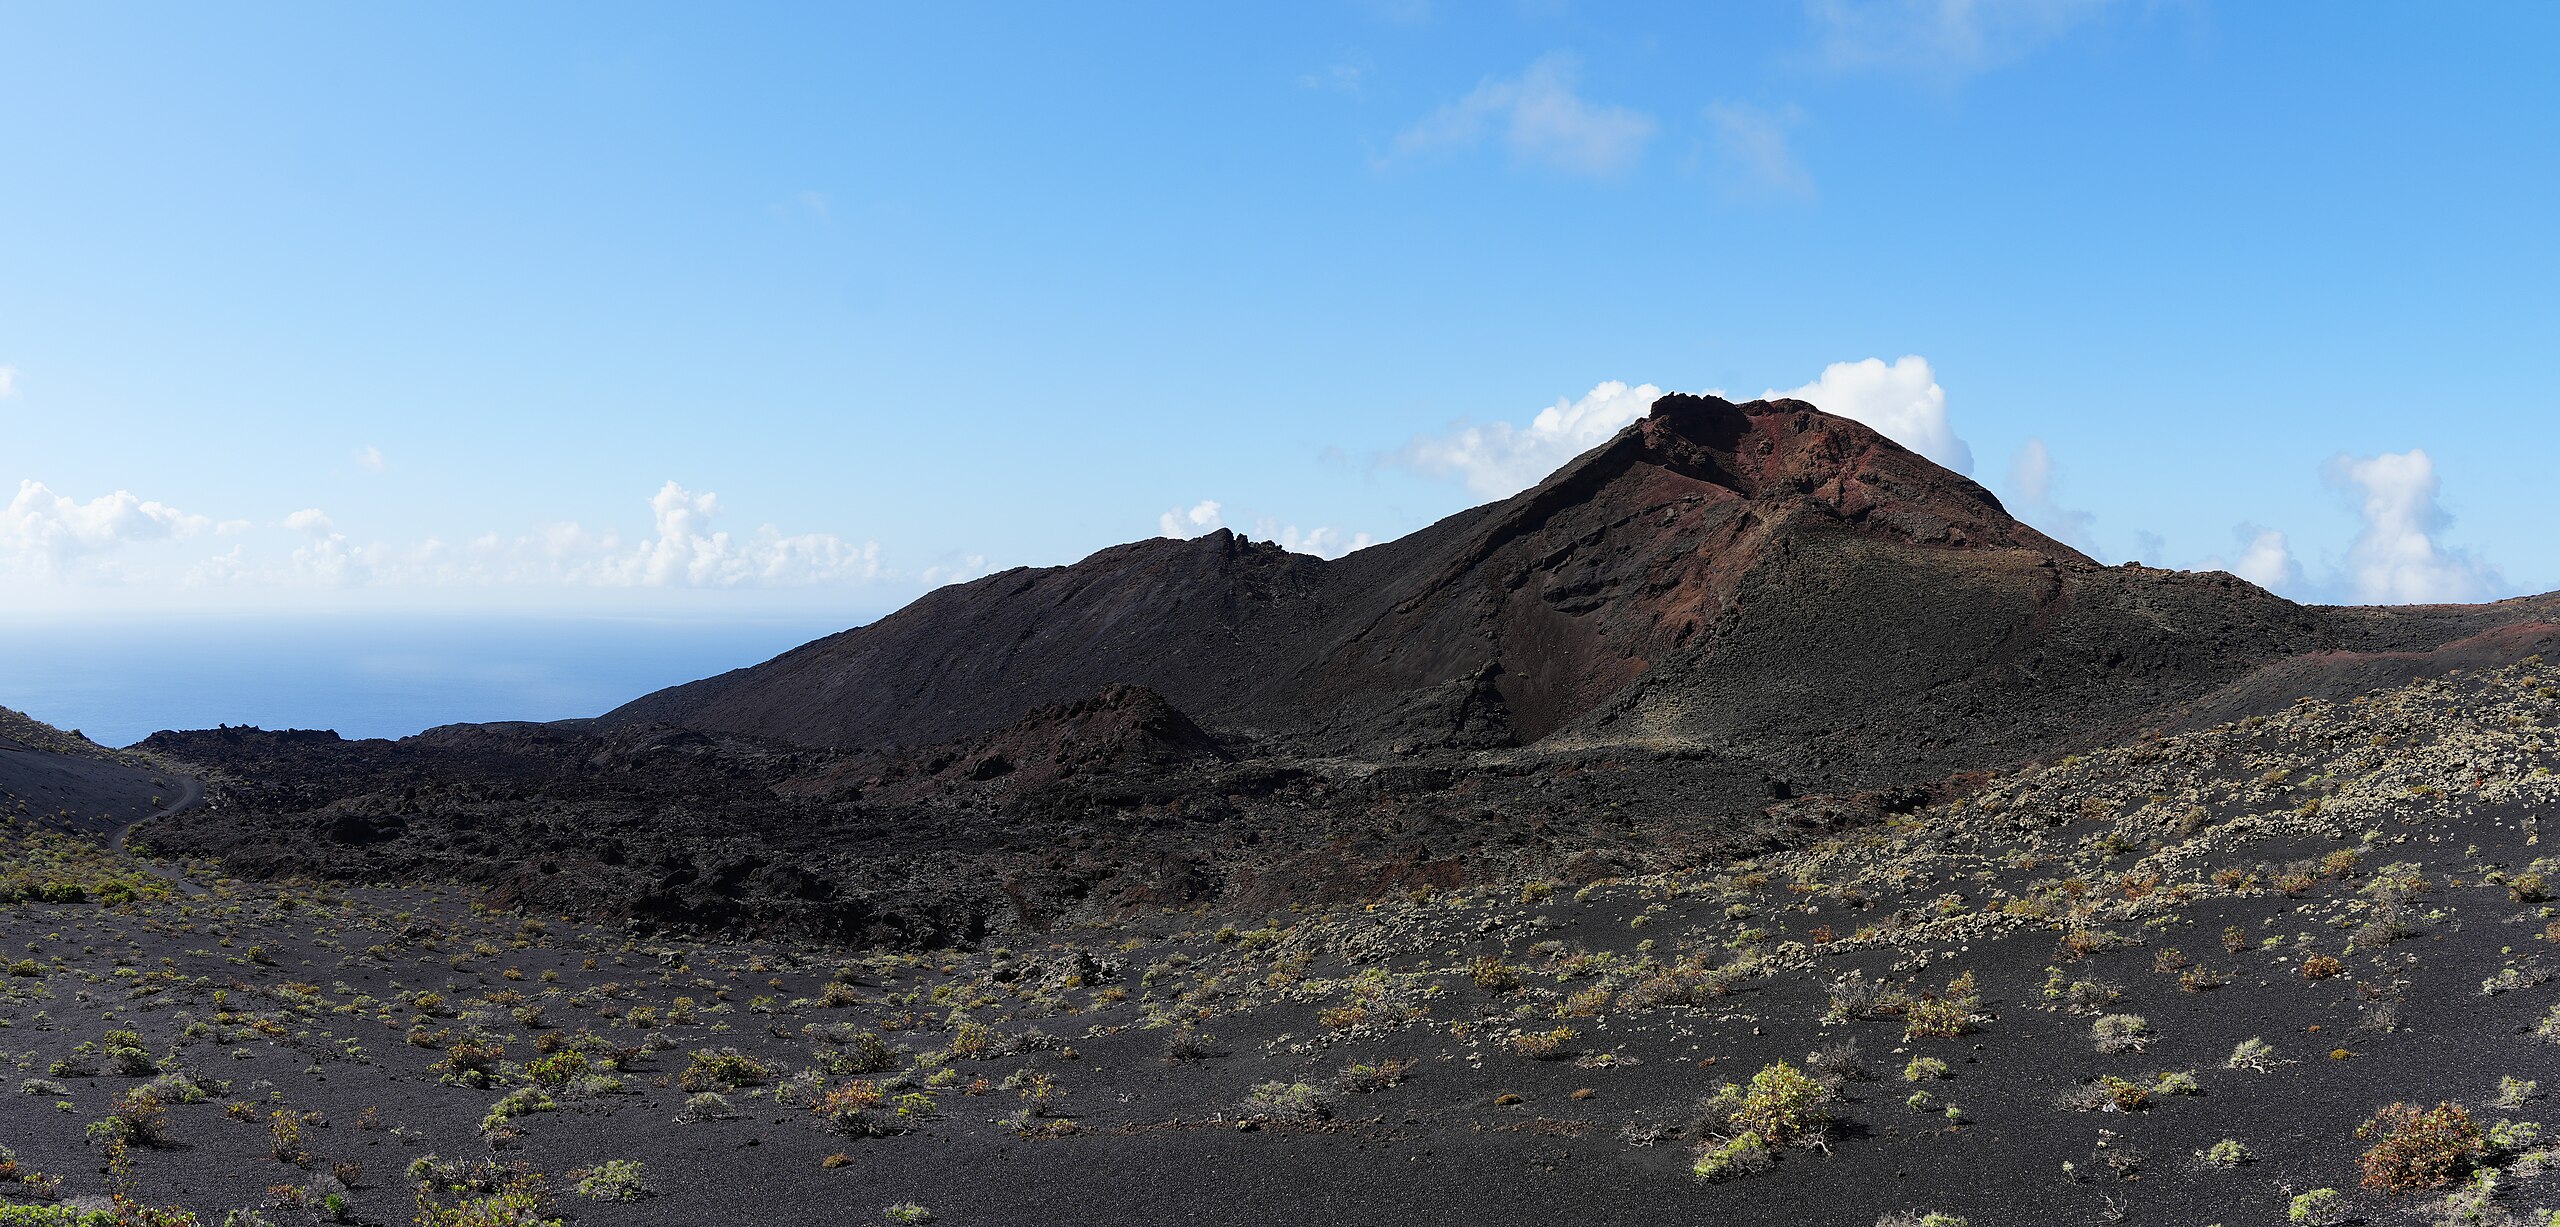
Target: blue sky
(731, 309)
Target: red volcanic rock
(1760, 579)
(1727, 628)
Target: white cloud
(232, 566)
(1340, 78)
(687, 552)
(8, 382)
(1499, 459)
(2266, 559)
(1540, 119)
(2031, 474)
(1753, 144)
(683, 550)
(1903, 401)
(329, 560)
(1942, 40)
(325, 556)
(2399, 557)
(958, 571)
(1321, 542)
(44, 535)
(1202, 517)
(1495, 459)
(806, 205)
(1209, 515)
(369, 458)
(2149, 545)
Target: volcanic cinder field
(1752, 823)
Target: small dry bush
(2419, 1149)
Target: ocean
(121, 679)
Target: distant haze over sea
(121, 679)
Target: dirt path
(190, 791)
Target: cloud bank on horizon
(122, 540)
(2399, 555)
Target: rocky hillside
(58, 779)
(1763, 582)
(1731, 627)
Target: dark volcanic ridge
(1726, 627)
(59, 780)
(1752, 824)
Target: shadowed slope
(62, 780)
(1761, 572)
(1729, 628)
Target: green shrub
(1288, 1101)
(284, 1138)
(614, 1180)
(139, 1119)
(2226, 1153)
(976, 1039)
(2108, 1093)
(54, 1216)
(1553, 1045)
(50, 868)
(1930, 1017)
(472, 1060)
(2120, 1032)
(2419, 1149)
(1782, 1105)
(2252, 1054)
(1946, 1014)
(1739, 1155)
(852, 1109)
(518, 1204)
(866, 1053)
(1924, 1069)
(2512, 1137)
(1362, 1077)
(124, 1050)
(177, 1088)
(557, 1069)
(1493, 975)
(722, 1069)
(522, 1101)
(2317, 1208)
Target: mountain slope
(1729, 629)
(51, 779)
(1761, 578)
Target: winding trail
(190, 791)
